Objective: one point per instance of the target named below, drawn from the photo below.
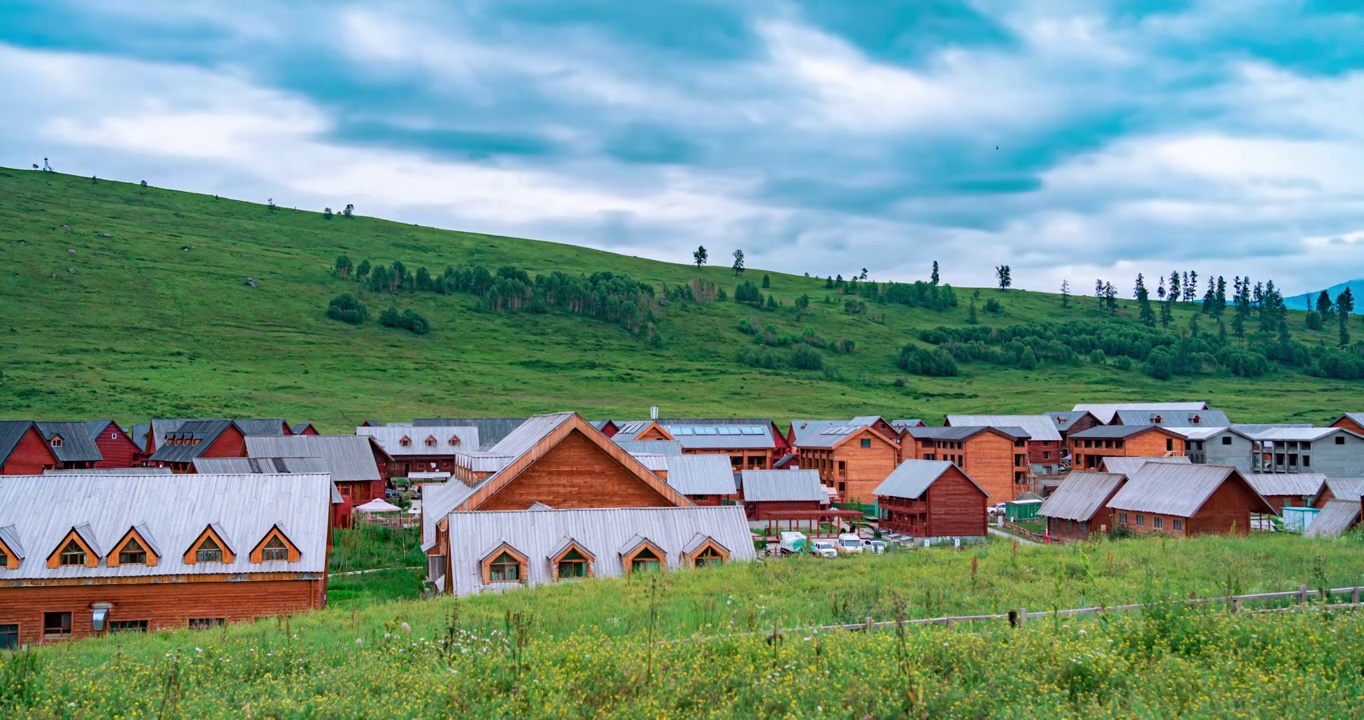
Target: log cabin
(1072, 422)
(1105, 412)
(931, 499)
(354, 461)
(1287, 490)
(1044, 440)
(116, 447)
(773, 492)
(1078, 508)
(136, 553)
(704, 479)
(1338, 489)
(428, 448)
(996, 458)
(1354, 422)
(852, 458)
(23, 451)
(1089, 448)
(1181, 500)
(70, 442)
(177, 449)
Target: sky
(1069, 140)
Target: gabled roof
(698, 541)
(11, 432)
(1356, 418)
(627, 430)
(77, 445)
(1130, 465)
(965, 432)
(1109, 432)
(349, 458)
(188, 440)
(1173, 418)
(1307, 434)
(652, 447)
(1251, 429)
(1287, 484)
(1039, 428)
(913, 478)
(1104, 411)
(390, 437)
(783, 486)
(903, 423)
(701, 474)
(1179, 490)
(10, 537)
(1203, 433)
(1066, 419)
(302, 427)
(490, 430)
(95, 428)
(138, 434)
(1345, 488)
(835, 434)
(258, 465)
(439, 500)
(252, 426)
(1335, 519)
(44, 508)
(1081, 494)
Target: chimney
(653, 413)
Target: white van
(849, 543)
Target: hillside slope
(130, 302)
(1308, 301)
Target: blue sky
(1070, 140)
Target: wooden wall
(1348, 424)
(956, 507)
(164, 605)
(761, 510)
(1153, 443)
(989, 460)
(1226, 511)
(1064, 530)
(229, 443)
(1044, 452)
(864, 468)
(30, 457)
(119, 452)
(575, 473)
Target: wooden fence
(1018, 617)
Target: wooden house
(1089, 448)
(1072, 422)
(1354, 422)
(1181, 500)
(23, 451)
(996, 458)
(853, 458)
(192, 439)
(1338, 489)
(500, 551)
(354, 461)
(749, 443)
(70, 442)
(428, 448)
(704, 479)
(136, 553)
(1078, 507)
(491, 431)
(1172, 418)
(116, 447)
(1044, 440)
(769, 492)
(1335, 519)
(931, 499)
(1287, 490)
(303, 429)
(1106, 412)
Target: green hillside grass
(158, 320)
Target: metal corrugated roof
(1039, 428)
(538, 534)
(652, 447)
(301, 428)
(701, 474)
(1291, 484)
(112, 471)
(1335, 519)
(782, 486)
(349, 458)
(804, 430)
(1203, 433)
(9, 535)
(1303, 434)
(76, 443)
(913, 477)
(490, 430)
(139, 435)
(1080, 495)
(262, 464)
(44, 508)
(1356, 418)
(1108, 432)
(1168, 418)
(439, 500)
(1065, 419)
(1175, 489)
(1345, 488)
(252, 426)
(1130, 465)
(525, 437)
(482, 462)
(390, 438)
(11, 432)
(656, 463)
(188, 440)
(1105, 411)
(903, 423)
(1252, 429)
(963, 432)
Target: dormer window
(135, 548)
(1156, 419)
(405, 442)
(132, 553)
(454, 441)
(195, 441)
(74, 550)
(210, 547)
(646, 560)
(275, 547)
(208, 551)
(431, 442)
(709, 556)
(56, 441)
(275, 551)
(1195, 419)
(4, 559)
(72, 554)
(504, 568)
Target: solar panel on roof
(709, 430)
(681, 430)
(752, 430)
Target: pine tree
(738, 263)
(1148, 316)
(1110, 297)
(1160, 289)
(1345, 304)
(934, 279)
(1191, 287)
(1325, 308)
(700, 256)
(1099, 291)
(1167, 313)
(829, 283)
(1065, 293)
(1174, 285)
(1002, 274)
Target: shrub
(805, 357)
(1313, 320)
(1160, 364)
(845, 346)
(748, 293)
(409, 320)
(1124, 363)
(933, 363)
(347, 309)
(993, 306)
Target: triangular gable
(544, 449)
(635, 546)
(486, 562)
(655, 432)
(10, 545)
(1265, 507)
(219, 537)
(83, 539)
(258, 552)
(866, 431)
(139, 534)
(700, 542)
(567, 544)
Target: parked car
(998, 509)
(849, 543)
(824, 548)
(876, 546)
(792, 543)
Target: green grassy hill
(129, 302)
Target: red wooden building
(1044, 440)
(931, 499)
(70, 442)
(178, 448)
(1078, 507)
(1180, 500)
(23, 450)
(116, 447)
(768, 492)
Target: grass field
(582, 650)
(157, 320)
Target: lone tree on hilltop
(1065, 293)
(1006, 280)
(349, 211)
(738, 263)
(934, 278)
(700, 256)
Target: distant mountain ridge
(1308, 301)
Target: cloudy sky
(1068, 139)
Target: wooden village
(193, 523)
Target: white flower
(406, 628)
(359, 641)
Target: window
(1070, 526)
(1179, 525)
(709, 557)
(1307, 461)
(572, 565)
(644, 561)
(1158, 523)
(57, 624)
(275, 550)
(1340, 439)
(4, 559)
(1169, 444)
(73, 553)
(1196, 419)
(9, 637)
(113, 436)
(204, 623)
(116, 626)
(208, 551)
(1226, 439)
(405, 442)
(56, 441)
(505, 568)
(454, 441)
(1046, 454)
(1141, 520)
(132, 553)
(866, 443)
(1122, 518)
(430, 442)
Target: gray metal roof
(1345, 488)
(11, 432)
(782, 486)
(913, 477)
(1299, 434)
(10, 537)
(390, 438)
(439, 500)
(112, 471)
(76, 444)
(832, 434)
(43, 508)
(1335, 519)
(188, 440)
(490, 430)
(627, 430)
(538, 534)
(963, 432)
(1065, 419)
(1130, 465)
(1251, 429)
(652, 447)
(1289, 484)
(529, 434)
(301, 428)
(139, 435)
(1080, 495)
(349, 458)
(1203, 433)
(261, 464)
(95, 428)
(804, 431)
(250, 426)
(1039, 428)
(903, 423)
(659, 463)
(1108, 432)
(482, 462)
(720, 435)
(1105, 411)
(1175, 489)
(701, 474)
(1356, 418)
(1169, 418)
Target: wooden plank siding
(1061, 530)
(764, 510)
(855, 466)
(1225, 512)
(117, 449)
(952, 506)
(31, 456)
(1348, 424)
(575, 473)
(997, 462)
(1088, 453)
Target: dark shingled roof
(197, 435)
(77, 445)
(11, 432)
